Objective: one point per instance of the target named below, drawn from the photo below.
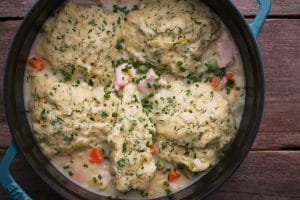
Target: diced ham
(123, 78)
(150, 79)
(106, 177)
(225, 53)
(80, 175)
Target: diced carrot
(153, 149)
(215, 82)
(37, 63)
(96, 156)
(174, 175)
(229, 75)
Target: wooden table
(272, 168)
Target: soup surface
(131, 98)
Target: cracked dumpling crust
(196, 116)
(131, 136)
(67, 118)
(172, 35)
(84, 36)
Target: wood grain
(280, 47)
(7, 32)
(255, 179)
(264, 175)
(280, 8)
(19, 8)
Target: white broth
(134, 98)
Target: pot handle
(259, 20)
(14, 191)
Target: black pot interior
(20, 129)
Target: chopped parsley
(85, 166)
(90, 82)
(160, 165)
(147, 104)
(121, 163)
(168, 191)
(166, 183)
(44, 114)
(104, 114)
(114, 114)
(124, 147)
(92, 22)
(68, 71)
(229, 85)
(212, 70)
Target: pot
(244, 35)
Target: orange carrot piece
(37, 63)
(215, 82)
(96, 156)
(174, 175)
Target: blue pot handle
(258, 22)
(14, 191)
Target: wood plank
(280, 46)
(280, 126)
(19, 8)
(7, 32)
(279, 7)
(263, 175)
(15, 8)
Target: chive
(114, 114)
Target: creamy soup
(134, 98)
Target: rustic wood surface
(272, 168)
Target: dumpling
(130, 139)
(67, 118)
(196, 116)
(169, 35)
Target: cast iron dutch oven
(245, 36)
